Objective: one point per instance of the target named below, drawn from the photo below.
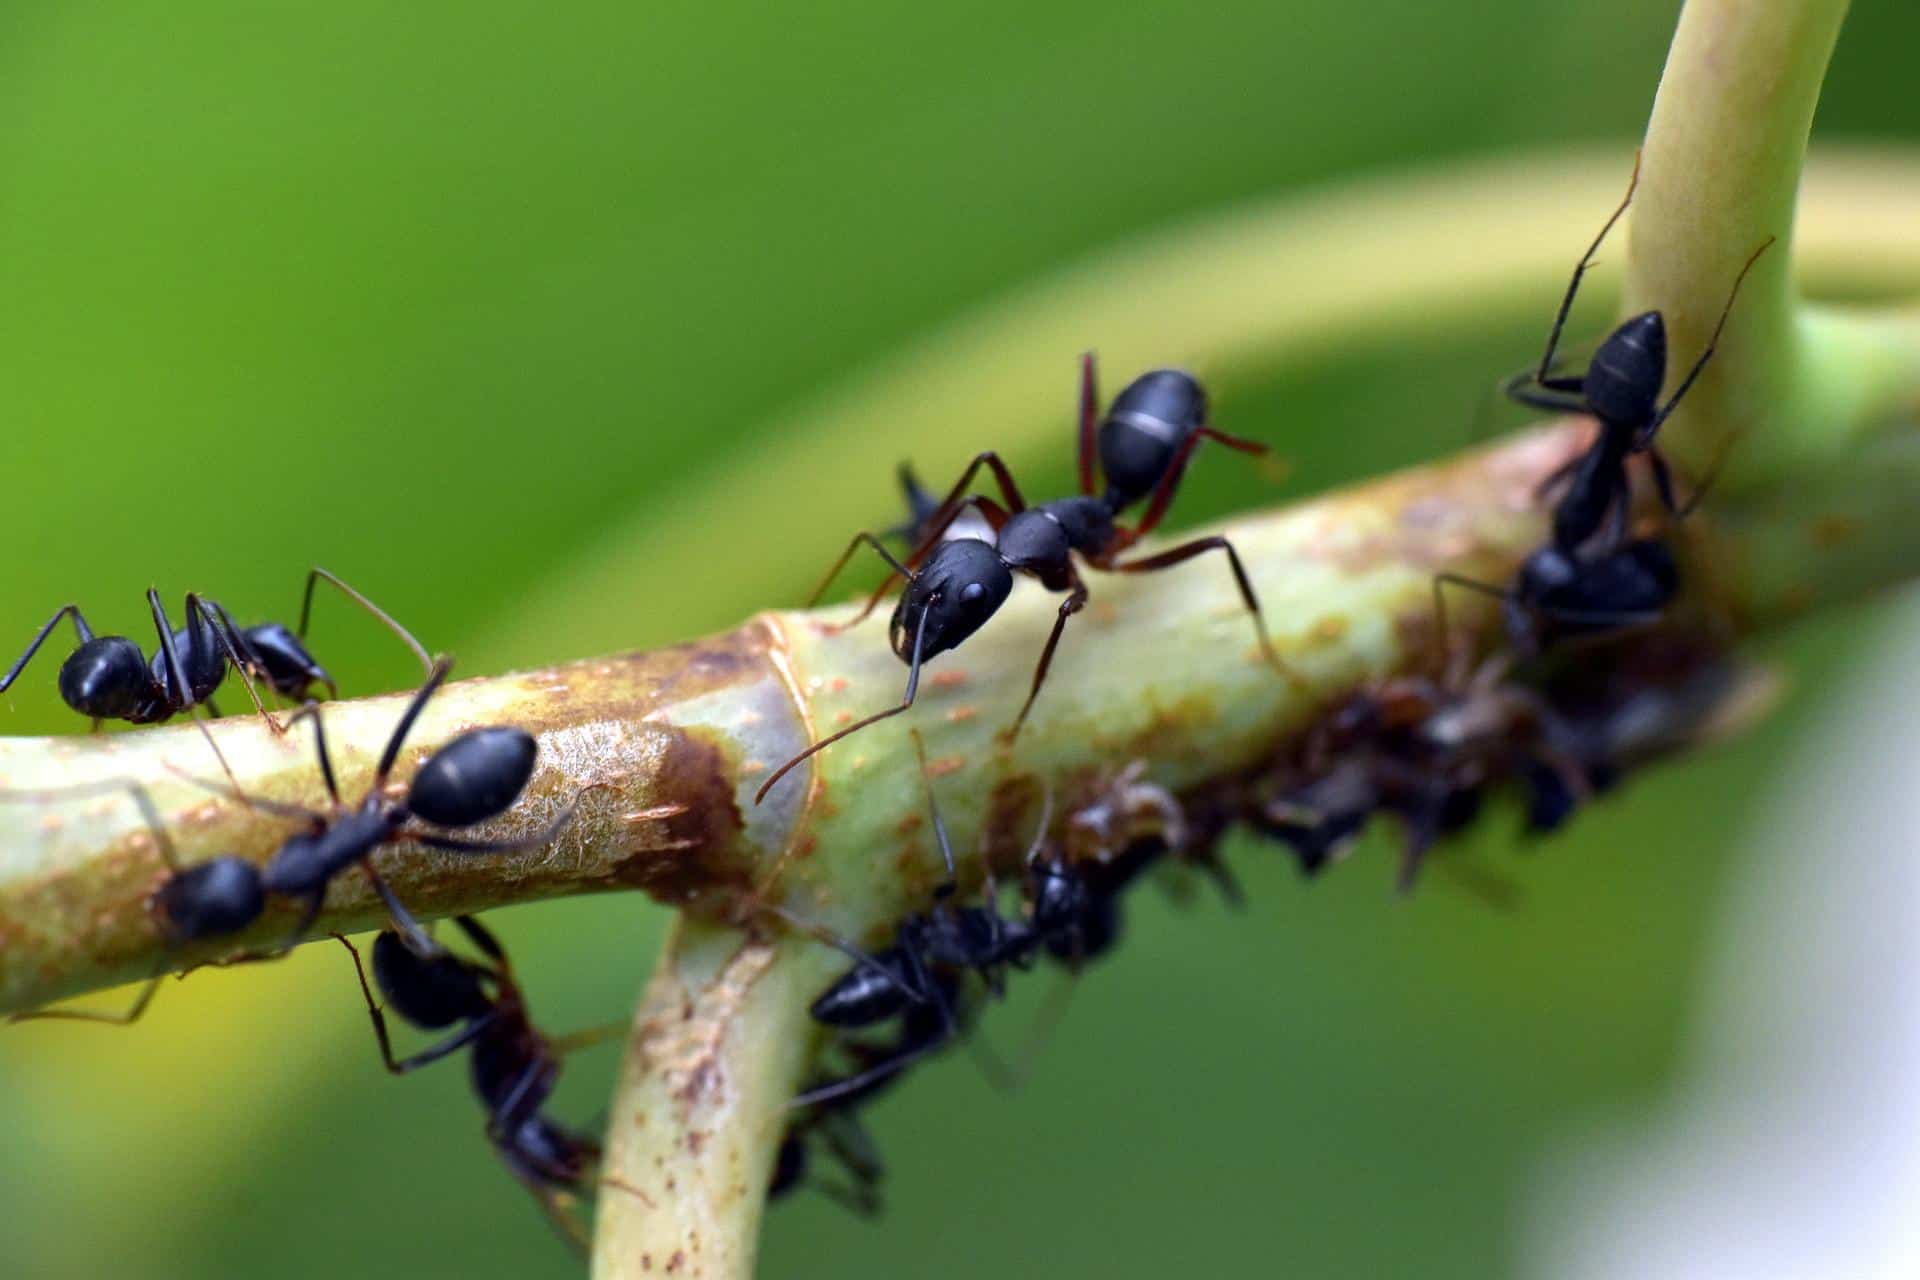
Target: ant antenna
(945, 890)
(1712, 342)
(1573, 286)
(906, 701)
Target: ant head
(1143, 431)
(219, 896)
(105, 678)
(428, 991)
(475, 777)
(963, 583)
(1622, 383)
(290, 669)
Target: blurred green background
(444, 296)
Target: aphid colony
(1425, 750)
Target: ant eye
(972, 591)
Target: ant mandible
(514, 1066)
(954, 585)
(1621, 389)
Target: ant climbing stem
(1621, 389)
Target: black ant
(476, 776)
(954, 585)
(473, 778)
(110, 678)
(1621, 389)
(514, 1066)
(917, 979)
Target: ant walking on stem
(1591, 578)
(954, 585)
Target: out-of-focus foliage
(436, 294)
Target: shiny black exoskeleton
(110, 678)
(475, 777)
(513, 1065)
(1621, 388)
(955, 584)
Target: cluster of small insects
(1427, 750)
(473, 778)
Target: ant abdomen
(1143, 431)
(431, 991)
(1623, 380)
(105, 678)
(475, 777)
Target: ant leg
(1199, 546)
(1009, 490)
(1089, 420)
(163, 843)
(125, 1018)
(946, 889)
(1647, 434)
(520, 1103)
(587, 1038)
(1239, 444)
(1573, 286)
(435, 678)
(213, 616)
(300, 931)
(317, 574)
(557, 1205)
(891, 1064)
(80, 628)
(400, 1066)
(900, 977)
(417, 939)
(260, 803)
(1562, 396)
(872, 540)
(1074, 602)
(310, 710)
(906, 701)
(482, 937)
(516, 844)
(180, 694)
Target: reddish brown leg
(1200, 546)
(1075, 600)
(1239, 443)
(950, 505)
(1162, 496)
(1089, 419)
